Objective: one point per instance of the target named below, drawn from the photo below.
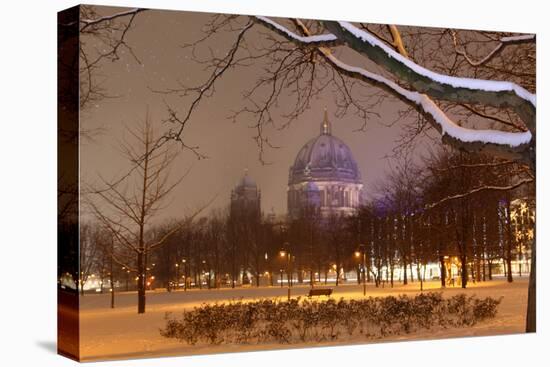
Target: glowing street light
(184, 262)
(285, 252)
(177, 275)
(363, 254)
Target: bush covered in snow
(302, 320)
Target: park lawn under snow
(118, 333)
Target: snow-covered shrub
(427, 309)
(465, 310)
(485, 308)
(303, 320)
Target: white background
(28, 182)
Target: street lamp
(184, 261)
(127, 280)
(361, 253)
(285, 252)
(177, 275)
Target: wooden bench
(320, 292)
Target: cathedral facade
(324, 176)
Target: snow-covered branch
(504, 41)
(455, 89)
(315, 40)
(505, 144)
(89, 22)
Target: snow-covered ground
(107, 333)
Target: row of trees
(445, 208)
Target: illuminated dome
(329, 163)
(323, 158)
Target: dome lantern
(325, 125)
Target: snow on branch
(504, 41)
(89, 22)
(457, 82)
(316, 40)
(495, 93)
(515, 39)
(458, 136)
(444, 124)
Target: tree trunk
(531, 322)
(368, 271)
(464, 270)
(112, 281)
(509, 276)
(509, 241)
(405, 271)
(442, 271)
(483, 267)
(141, 282)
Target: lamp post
(127, 280)
(184, 261)
(363, 255)
(285, 253)
(177, 275)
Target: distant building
(324, 176)
(246, 198)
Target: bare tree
(127, 208)
(88, 252)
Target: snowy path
(121, 333)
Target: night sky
(156, 38)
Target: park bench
(320, 292)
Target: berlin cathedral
(324, 176)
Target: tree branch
(397, 40)
(463, 90)
(90, 22)
(477, 190)
(503, 42)
(511, 145)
